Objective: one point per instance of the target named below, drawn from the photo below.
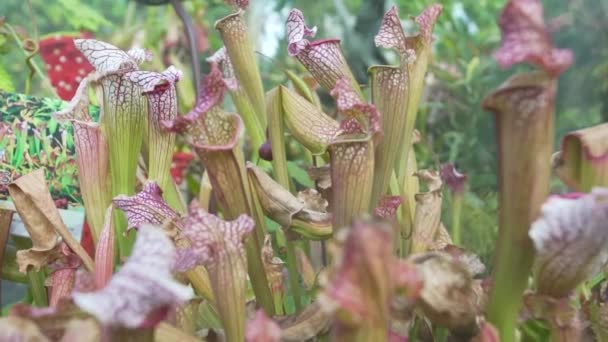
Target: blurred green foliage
(454, 127)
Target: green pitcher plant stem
(276, 135)
(124, 111)
(414, 53)
(523, 108)
(215, 139)
(389, 95)
(455, 181)
(254, 125)
(242, 57)
(456, 217)
(91, 157)
(159, 89)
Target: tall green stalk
(241, 53)
(125, 110)
(523, 108)
(279, 162)
(215, 138)
(456, 213)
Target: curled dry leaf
(321, 176)
(142, 288)
(427, 219)
(277, 202)
(82, 330)
(44, 237)
(448, 298)
(297, 213)
(309, 323)
(571, 241)
(313, 200)
(37, 210)
(20, 329)
(442, 239)
(313, 221)
(273, 266)
(468, 259)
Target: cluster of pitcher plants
(361, 256)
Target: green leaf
(299, 174)
(6, 83)
(271, 226)
(471, 67)
(535, 330)
(20, 145)
(82, 17)
(208, 317)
